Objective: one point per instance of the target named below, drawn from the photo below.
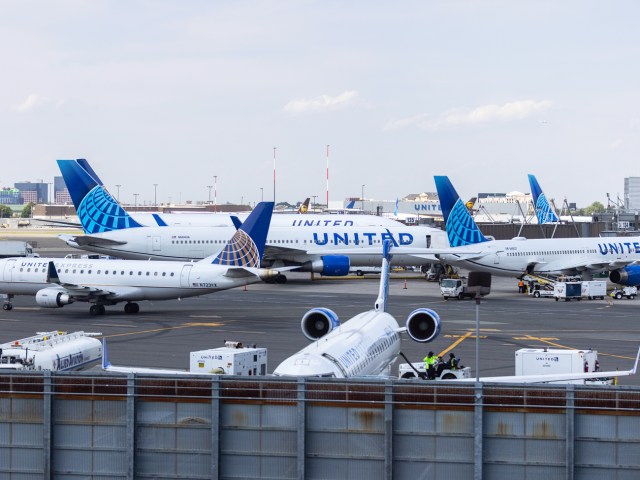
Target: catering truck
(16, 248)
(55, 351)
(232, 359)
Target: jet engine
(317, 322)
(52, 298)
(423, 325)
(329, 266)
(626, 276)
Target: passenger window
(172, 274)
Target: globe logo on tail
(99, 212)
(461, 229)
(241, 251)
(544, 211)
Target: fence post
(47, 442)
(301, 428)
(478, 432)
(215, 426)
(570, 434)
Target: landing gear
(281, 278)
(97, 310)
(7, 304)
(131, 308)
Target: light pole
(215, 193)
(262, 194)
(135, 204)
(155, 196)
(314, 202)
(362, 198)
(118, 194)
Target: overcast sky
(177, 92)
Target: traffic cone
(245, 288)
(405, 284)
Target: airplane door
(496, 259)
(184, 275)
(428, 241)
(8, 269)
(154, 243)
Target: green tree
(595, 207)
(5, 211)
(26, 211)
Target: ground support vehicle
(548, 361)
(16, 248)
(594, 289)
(405, 371)
(232, 359)
(624, 292)
(567, 290)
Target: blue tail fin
(87, 168)
(97, 210)
(105, 358)
(544, 211)
(460, 226)
(246, 247)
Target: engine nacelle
(423, 325)
(52, 298)
(626, 276)
(332, 265)
(317, 322)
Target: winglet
(105, 357)
(246, 247)
(635, 366)
(236, 222)
(543, 208)
(460, 226)
(159, 220)
(383, 294)
(97, 210)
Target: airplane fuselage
(549, 256)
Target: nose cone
(307, 365)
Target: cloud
(485, 114)
(323, 103)
(35, 101)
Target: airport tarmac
(268, 315)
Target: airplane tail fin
(246, 247)
(544, 211)
(97, 210)
(383, 294)
(460, 226)
(305, 206)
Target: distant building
(632, 193)
(60, 193)
(33, 192)
(10, 196)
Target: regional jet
(56, 282)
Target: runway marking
(454, 344)
(205, 316)
(9, 320)
(154, 330)
(112, 325)
(542, 339)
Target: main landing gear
(7, 304)
(131, 308)
(96, 310)
(277, 279)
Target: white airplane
(515, 257)
(305, 241)
(56, 282)
(364, 345)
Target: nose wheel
(7, 306)
(131, 308)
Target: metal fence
(101, 426)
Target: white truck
(537, 290)
(567, 290)
(547, 361)
(455, 288)
(16, 248)
(405, 371)
(55, 351)
(624, 292)
(232, 359)
(594, 289)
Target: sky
(185, 94)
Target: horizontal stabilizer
(83, 240)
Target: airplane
(515, 257)
(304, 206)
(365, 345)
(306, 243)
(544, 210)
(56, 282)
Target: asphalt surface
(163, 333)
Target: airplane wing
(561, 377)
(564, 265)
(84, 240)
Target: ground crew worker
(430, 362)
(520, 286)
